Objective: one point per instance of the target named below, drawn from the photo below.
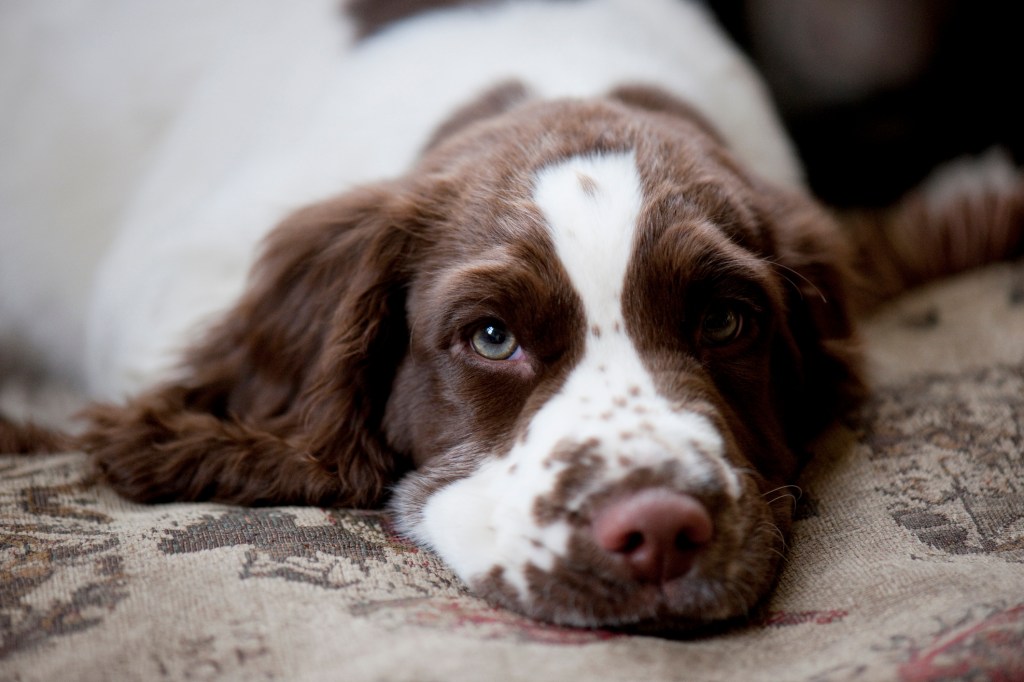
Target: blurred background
(876, 93)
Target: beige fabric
(907, 562)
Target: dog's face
(609, 348)
(598, 344)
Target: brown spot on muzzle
(587, 184)
(584, 463)
(495, 588)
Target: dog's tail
(30, 438)
(968, 213)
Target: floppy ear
(282, 400)
(818, 365)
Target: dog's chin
(682, 609)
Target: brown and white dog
(575, 325)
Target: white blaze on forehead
(591, 204)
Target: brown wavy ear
(818, 372)
(30, 438)
(282, 401)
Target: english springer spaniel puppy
(572, 317)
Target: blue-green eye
(494, 342)
(722, 324)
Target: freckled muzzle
(633, 512)
(646, 548)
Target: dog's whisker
(798, 490)
(814, 287)
(794, 498)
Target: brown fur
(370, 17)
(29, 438)
(283, 400)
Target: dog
(573, 317)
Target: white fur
(593, 230)
(190, 237)
(110, 103)
(609, 399)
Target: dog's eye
(722, 324)
(494, 342)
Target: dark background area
(876, 93)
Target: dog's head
(586, 345)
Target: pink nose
(658, 533)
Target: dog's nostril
(657, 532)
(632, 542)
(684, 543)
